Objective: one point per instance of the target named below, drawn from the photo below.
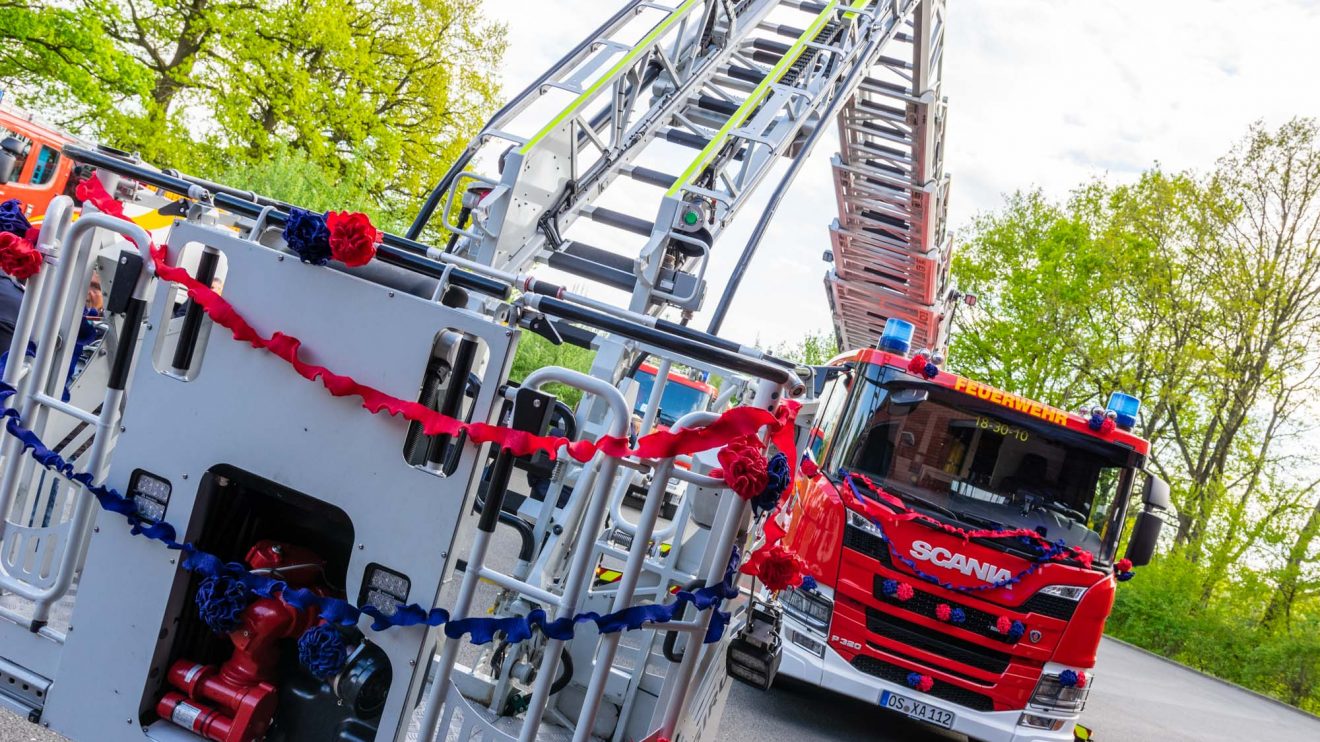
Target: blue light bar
(897, 337)
(1126, 407)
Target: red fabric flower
(1003, 625)
(33, 234)
(1107, 427)
(18, 257)
(1083, 556)
(1123, 565)
(809, 468)
(742, 465)
(925, 684)
(904, 592)
(780, 568)
(1081, 679)
(353, 238)
(917, 365)
(943, 611)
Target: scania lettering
(942, 557)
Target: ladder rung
(650, 177)
(66, 408)
(619, 220)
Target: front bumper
(833, 673)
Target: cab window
(48, 161)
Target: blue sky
(1043, 93)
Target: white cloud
(1043, 93)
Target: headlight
(1054, 696)
(810, 608)
(859, 521)
(1067, 592)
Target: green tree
(377, 93)
(1200, 293)
(812, 349)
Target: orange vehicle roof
(674, 376)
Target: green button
(690, 218)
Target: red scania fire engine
(934, 610)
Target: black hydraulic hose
(566, 674)
(703, 349)
(433, 199)
(670, 646)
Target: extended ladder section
(890, 243)
(624, 163)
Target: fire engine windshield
(676, 400)
(962, 459)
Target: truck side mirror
(7, 162)
(1156, 494)
(1145, 535)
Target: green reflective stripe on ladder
(576, 106)
(759, 93)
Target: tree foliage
(1199, 293)
(378, 94)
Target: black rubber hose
(566, 674)
(671, 637)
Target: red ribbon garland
(730, 425)
(903, 513)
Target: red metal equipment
(235, 702)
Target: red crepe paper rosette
(743, 467)
(778, 567)
(353, 238)
(18, 257)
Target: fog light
(150, 495)
(753, 656)
(1053, 695)
(1042, 722)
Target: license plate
(917, 710)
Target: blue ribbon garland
(481, 630)
(1044, 557)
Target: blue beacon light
(897, 336)
(1126, 407)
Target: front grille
(897, 675)
(1050, 605)
(923, 603)
(928, 640)
(866, 543)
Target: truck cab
(32, 166)
(963, 541)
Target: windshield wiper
(922, 501)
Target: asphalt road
(1136, 697)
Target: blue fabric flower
(1016, 631)
(321, 650)
(931, 370)
(307, 235)
(221, 600)
(1068, 678)
(889, 587)
(1124, 576)
(776, 483)
(1096, 422)
(12, 218)
(809, 584)
(957, 615)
